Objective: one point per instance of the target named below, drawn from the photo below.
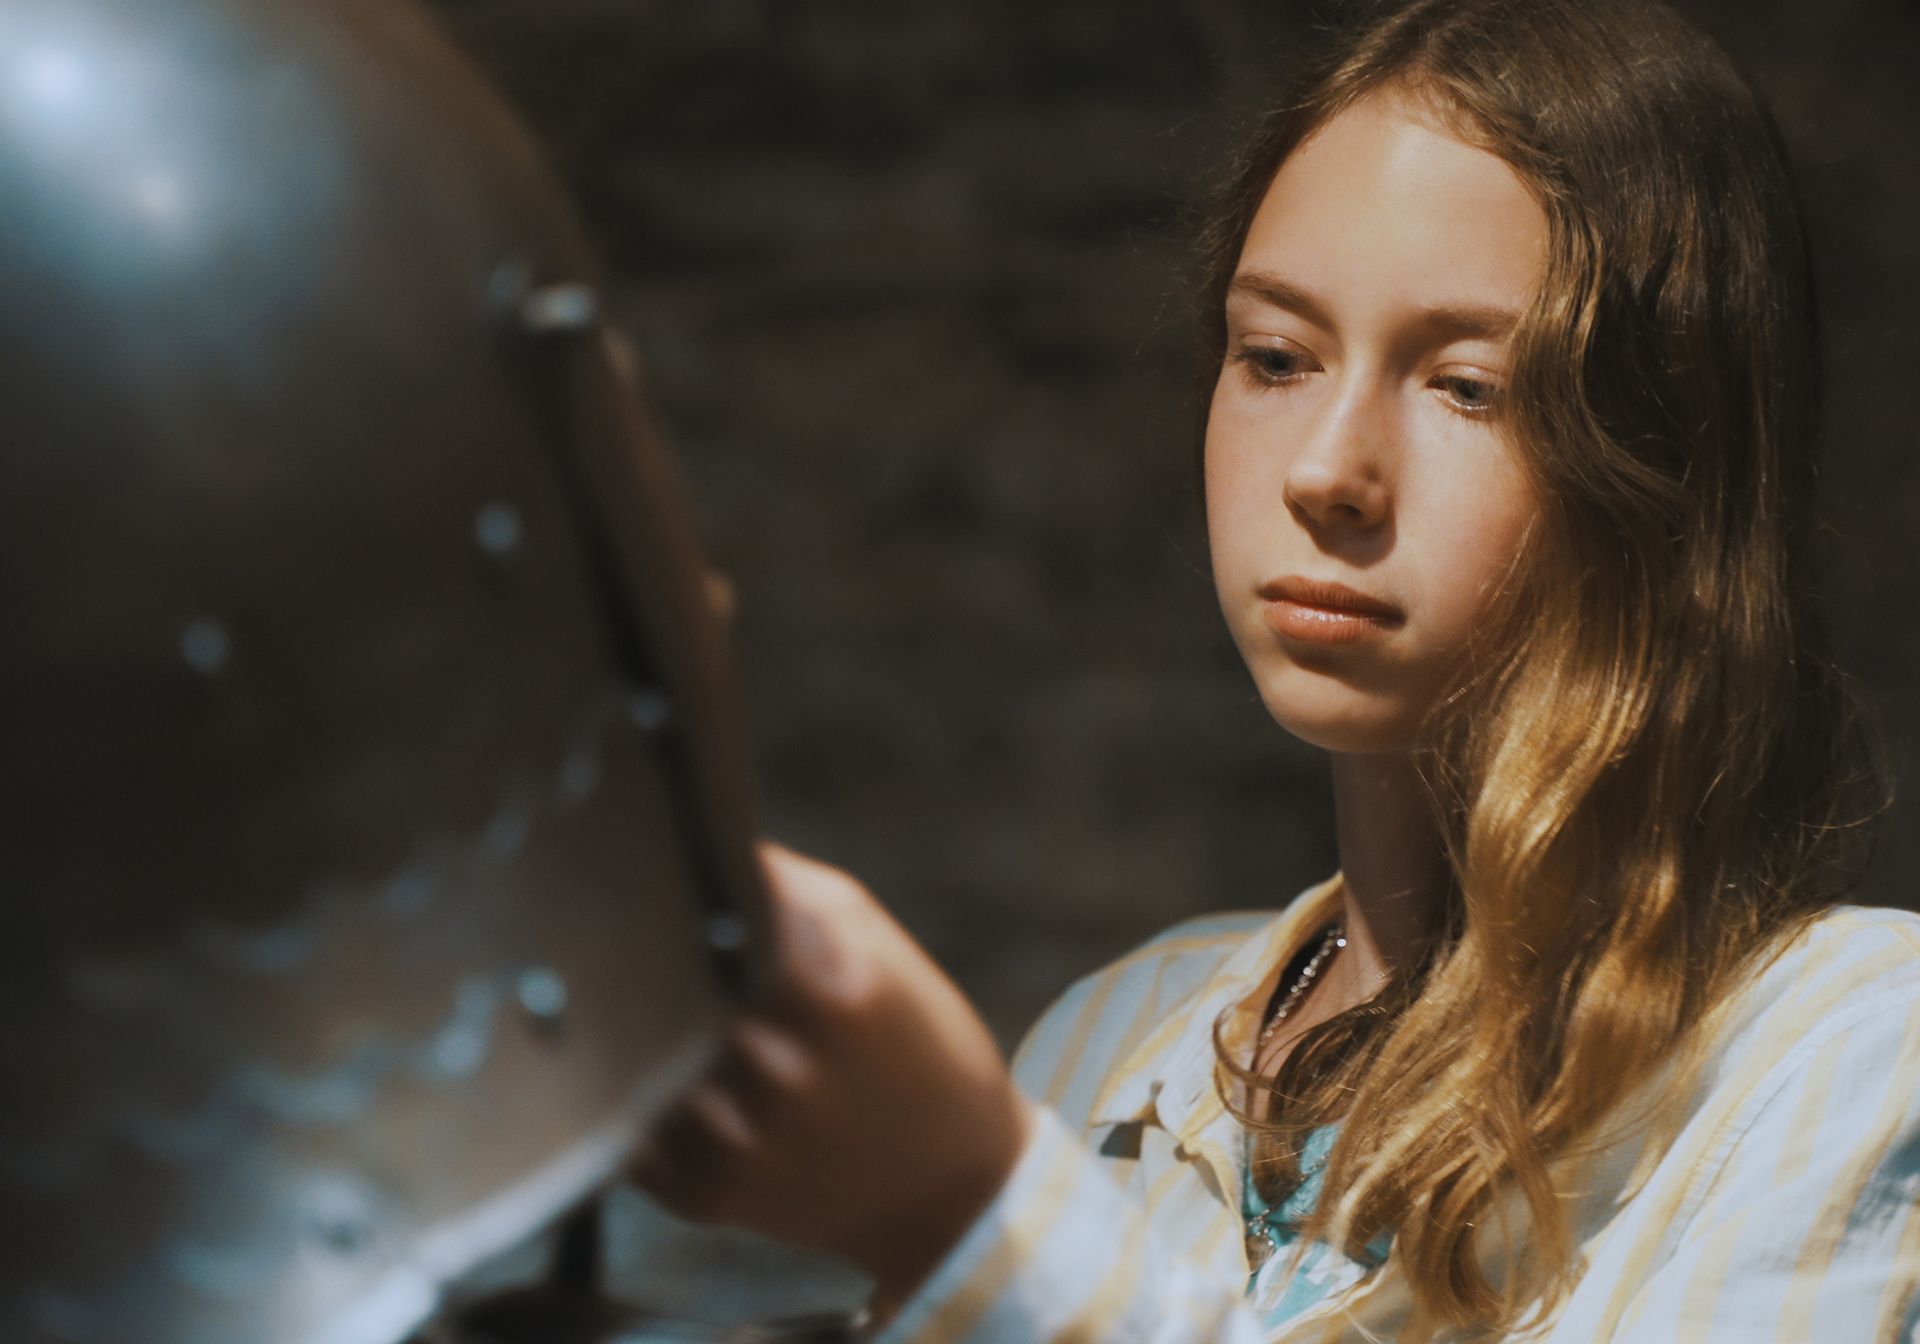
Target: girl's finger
(762, 1069)
(691, 1158)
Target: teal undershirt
(1323, 1269)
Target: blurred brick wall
(909, 280)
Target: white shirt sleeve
(1063, 1254)
(1810, 1231)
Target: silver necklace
(1336, 938)
(1262, 1237)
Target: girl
(1507, 468)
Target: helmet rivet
(206, 646)
(498, 529)
(337, 1216)
(726, 932)
(342, 1236)
(649, 711)
(559, 310)
(543, 995)
(579, 775)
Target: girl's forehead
(1385, 203)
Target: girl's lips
(1318, 612)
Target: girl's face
(1363, 498)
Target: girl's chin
(1346, 722)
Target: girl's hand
(863, 1109)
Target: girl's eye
(1272, 365)
(1470, 395)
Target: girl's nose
(1338, 478)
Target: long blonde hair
(1650, 775)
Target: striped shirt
(1783, 1210)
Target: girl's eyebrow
(1280, 292)
(1447, 321)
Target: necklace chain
(1335, 938)
(1261, 1236)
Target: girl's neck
(1392, 864)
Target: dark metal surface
(371, 792)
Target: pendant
(1260, 1246)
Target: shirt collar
(1169, 1076)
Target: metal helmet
(374, 826)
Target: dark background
(909, 280)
